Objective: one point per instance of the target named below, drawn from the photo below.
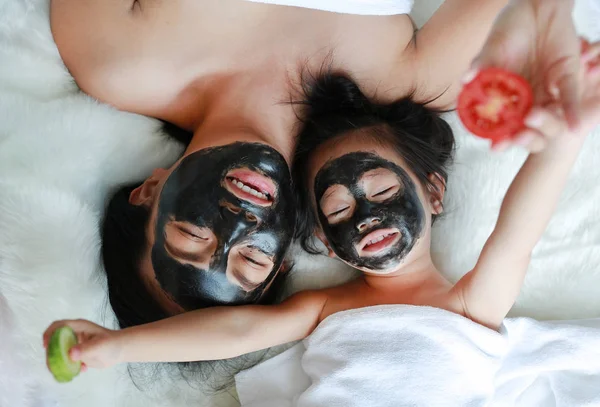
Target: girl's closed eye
(338, 212)
(337, 204)
(387, 193)
(380, 184)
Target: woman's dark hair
(123, 244)
(334, 105)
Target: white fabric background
(61, 153)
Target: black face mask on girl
(243, 193)
(402, 214)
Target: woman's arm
(447, 44)
(206, 334)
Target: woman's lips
(377, 241)
(251, 186)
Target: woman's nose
(368, 223)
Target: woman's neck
(252, 106)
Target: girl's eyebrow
(331, 190)
(328, 193)
(374, 172)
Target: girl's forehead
(337, 148)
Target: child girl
(375, 188)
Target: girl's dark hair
(334, 105)
(123, 245)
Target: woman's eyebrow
(246, 284)
(269, 255)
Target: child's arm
(206, 334)
(489, 291)
(448, 43)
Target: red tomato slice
(494, 104)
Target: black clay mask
(377, 235)
(243, 193)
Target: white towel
(394, 356)
(363, 7)
(550, 364)
(385, 356)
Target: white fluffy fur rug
(61, 153)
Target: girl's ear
(436, 191)
(321, 236)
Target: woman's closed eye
(188, 243)
(256, 258)
(249, 266)
(253, 261)
(191, 232)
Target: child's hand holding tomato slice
(494, 105)
(498, 105)
(537, 39)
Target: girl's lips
(377, 241)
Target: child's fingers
(591, 59)
(75, 353)
(591, 53)
(50, 330)
(82, 328)
(549, 123)
(82, 351)
(532, 140)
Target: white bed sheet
(61, 153)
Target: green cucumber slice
(57, 356)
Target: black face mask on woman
(402, 211)
(199, 191)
